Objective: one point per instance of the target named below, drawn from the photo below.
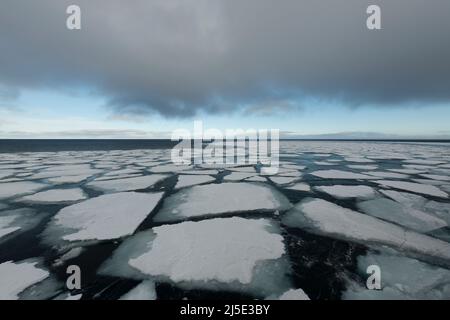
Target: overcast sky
(142, 68)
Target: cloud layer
(181, 57)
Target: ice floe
(401, 278)
(106, 217)
(383, 174)
(326, 218)
(414, 187)
(292, 294)
(236, 176)
(143, 291)
(221, 198)
(362, 167)
(55, 196)
(14, 189)
(300, 187)
(18, 220)
(190, 180)
(127, 184)
(218, 254)
(69, 179)
(339, 174)
(404, 215)
(344, 191)
(18, 276)
(283, 180)
(436, 177)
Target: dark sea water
(55, 145)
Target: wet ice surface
(141, 227)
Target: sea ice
(402, 278)
(382, 174)
(13, 221)
(300, 187)
(17, 276)
(236, 176)
(128, 184)
(221, 198)
(190, 180)
(406, 216)
(55, 196)
(436, 177)
(326, 218)
(143, 291)
(293, 294)
(8, 190)
(106, 217)
(283, 180)
(218, 254)
(363, 167)
(339, 174)
(414, 187)
(343, 191)
(69, 179)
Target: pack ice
(325, 218)
(234, 253)
(221, 198)
(106, 217)
(18, 276)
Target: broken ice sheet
(15, 277)
(221, 198)
(236, 176)
(106, 217)
(300, 187)
(55, 196)
(191, 180)
(414, 187)
(12, 222)
(292, 294)
(339, 174)
(328, 219)
(344, 191)
(236, 254)
(14, 189)
(401, 278)
(143, 291)
(406, 216)
(128, 184)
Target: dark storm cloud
(184, 56)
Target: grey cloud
(180, 57)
